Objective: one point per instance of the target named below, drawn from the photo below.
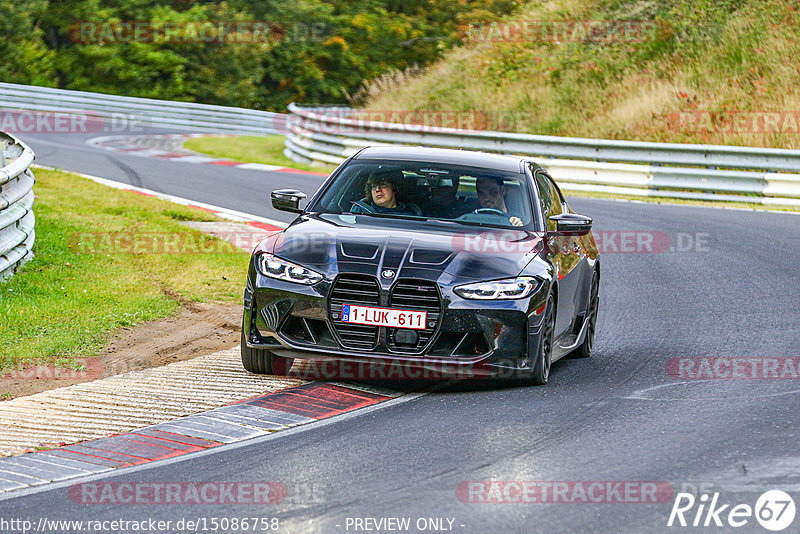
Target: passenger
(381, 194)
(491, 194)
(443, 202)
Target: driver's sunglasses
(382, 185)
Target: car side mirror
(287, 200)
(572, 223)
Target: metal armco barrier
(119, 112)
(702, 172)
(16, 205)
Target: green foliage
(314, 51)
(26, 58)
(266, 149)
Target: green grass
(702, 57)
(64, 303)
(684, 81)
(250, 149)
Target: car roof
(444, 155)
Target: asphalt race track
(727, 289)
(238, 189)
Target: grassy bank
(250, 149)
(100, 265)
(709, 60)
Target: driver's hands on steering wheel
(514, 220)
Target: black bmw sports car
(429, 259)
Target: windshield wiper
(434, 219)
(390, 215)
(476, 223)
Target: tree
(26, 58)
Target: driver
(443, 201)
(491, 194)
(381, 195)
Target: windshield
(469, 195)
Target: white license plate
(384, 317)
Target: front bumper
(294, 321)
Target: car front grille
(407, 294)
(354, 289)
(418, 295)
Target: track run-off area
(693, 388)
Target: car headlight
(274, 267)
(511, 288)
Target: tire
(263, 362)
(544, 357)
(585, 348)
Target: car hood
(433, 250)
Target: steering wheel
(491, 211)
(364, 206)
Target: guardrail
(702, 172)
(145, 111)
(17, 221)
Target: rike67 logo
(774, 510)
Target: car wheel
(585, 349)
(541, 369)
(263, 362)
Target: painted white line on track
(226, 213)
(137, 145)
(641, 394)
(182, 159)
(259, 167)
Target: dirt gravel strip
(132, 400)
(159, 413)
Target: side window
(550, 198)
(543, 190)
(557, 206)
